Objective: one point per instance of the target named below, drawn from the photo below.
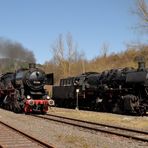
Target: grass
(115, 119)
(74, 140)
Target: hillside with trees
(98, 64)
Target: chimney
(32, 65)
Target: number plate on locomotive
(36, 82)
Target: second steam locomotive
(23, 90)
(122, 91)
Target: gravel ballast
(65, 136)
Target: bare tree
(82, 58)
(58, 50)
(66, 58)
(142, 12)
(71, 51)
(104, 49)
(69, 41)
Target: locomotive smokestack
(141, 66)
(32, 65)
(141, 63)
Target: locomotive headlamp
(47, 97)
(28, 97)
(77, 90)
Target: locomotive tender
(123, 91)
(23, 90)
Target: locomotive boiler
(123, 90)
(23, 90)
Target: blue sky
(36, 24)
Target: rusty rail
(12, 136)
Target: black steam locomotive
(23, 90)
(122, 91)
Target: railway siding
(98, 127)
(135, 122)
(65, 136)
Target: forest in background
(66, 68)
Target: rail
(22, 138)
(99, 127)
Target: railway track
(11, 138)
(99, 127)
